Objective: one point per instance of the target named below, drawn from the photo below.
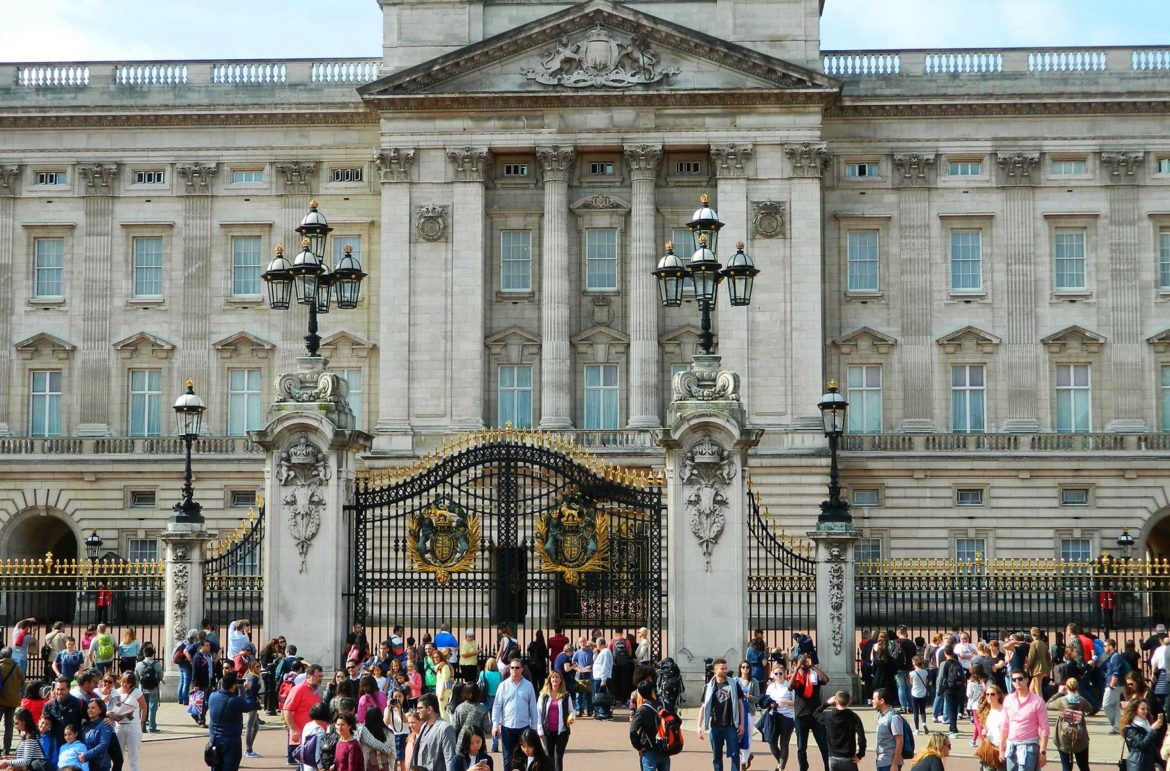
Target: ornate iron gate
(233, 580)
(782, 579)
(508, 527)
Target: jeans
(719, 736)
(652, 761)
(1081, 758)
(509, 738)
(902, 680)
(780, 737)
(1031, 757)
(1111, 706)
(803, 726)
(938, 704)
(184, 683)
(554, 747)
(585, 701)
(253, 728)
(8, 713)
(951, 704)
(20, 658)
(152, 699)
(841, 764)
(232, 754)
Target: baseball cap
(1160, 628)
(469, 633)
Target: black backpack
(149, 679)
(954, 678)
(327, 749)
(621, 652)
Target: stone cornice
(910, 108)
(245, 116)
(556, 100)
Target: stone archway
(1154, 543)
(32, 533)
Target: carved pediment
(1073, 337)
(598, 47)
(1160, 341)
(45, 344)
(513, 345)
(243, 344)
(145, 343)
(600, 342)
(347, 343)
(681, 343)
(985, 342)
(859, 338)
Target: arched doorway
(1157, 547)
(31, 535)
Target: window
(1069, 248)
(970, 549)
(514, 398)
(148, 267)
(1076, 549)
(145, 402)
(966, 260)
(684, 247)
(861, 170)
(864, 386)
(142, 499)
(339, 244)
(863, 261)
(243, 499)
(867, 498)
(601, 168)
(1166, 397)
(965, 168)
(52, 178)
(969, 496)
(49, 267)
(351, 174)
(246, 266)
(1074, 496)
(516, 260)
(601, 396)
(248, 562)
(1163, 166)
(867, 550)
(150, 177)
(243, 401)
(44, 413)
(353, 379)
(968, 399)
(601, 259)
(688, 168)
(142, 550)
(1164, 259)
(515, 169)
(1072, 167)
(247, 176)
(1073, 399)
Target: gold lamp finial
(190, 383)
(313, 204)
(740, 245)
(280, 248)
(703, 240)
(348, 249)
(704, 199)
(832, 384)
(670, 246)
(305, 243)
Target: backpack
(306, 751)
(1070, 730)
(668, 738)
(327, 749)
(286, 685)
(621, 652)
(179, 657)
(954, 678)
(149, 679)
(105, 649)
(907, 739)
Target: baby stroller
(669, 684)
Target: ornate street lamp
(1125, 543)
(705, 271)
(93, 544)
(309, 276)
(833, 409)
(189, 409)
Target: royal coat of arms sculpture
(573, 539)
(600, 59)
(443, 540)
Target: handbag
(988, 755)
(1122, 762)
(212, 754)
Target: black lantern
(348, 275)
(833, 407)
(834, 511)
(306, 271)
(93, 544)
(280, 281)
(316, 230)
(671, 275)
(1125, 542)
(740, 273)
(705, 272)
(324, 291)
(705, 222)
(189, 409)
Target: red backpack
(286, 685)
(668, 738)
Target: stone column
(836, 606)
(1021, 341)
(915, 292)
(9, 176)
(96, 299)
(183, 544)
(196, 236)
(1124, 298)
(707, 518)
(308, 479)
(732, 325)
(555, 363)
(392, 274)
(469, 254)
(642, 303)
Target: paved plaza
(593, 745)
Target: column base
(396, 439)
(1021, 426)
(92, 430)
(5, 431)
(555, 424)
(644, 421)
(1127, 426)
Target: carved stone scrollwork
(728, 160)
(297, 175)
(706, 381)
(311, 387)
(706, 471)
(643, 160)
(394, 163)
(1017, 167)
(197, 176)
(431, 222)
(99, 177)
(808, 160)
(915, 169)
(470, 163)
(555, 162)
(303, 468)
(836, 561)
(769, 219)
(599, 59)
(1122, 166)
(181, 579)
(8, 175)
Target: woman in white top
(129, 713)
(642, 652)
(990, 717)
(783, 715)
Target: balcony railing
(994, 61)
(1001, 443)
(188, 74)
(127, 445)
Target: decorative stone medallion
(431, 222)
(768, 219)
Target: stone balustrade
(183, 74)
(126, 445)
(1005, 443)
(614, 441)
(849, 65)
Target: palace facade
(976, 244)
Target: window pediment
(865, 336)
(513, 345)
(144, 343)
(600, 343)
(45, 344)
(600, 202)
(683, 341)
(1073, 338)
(984, 342)
(347, 343)
(243, 344)
(1160, 341)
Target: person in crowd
(129, 713)
(642, 649)
(990, 718)
(937, 749)
(270, 656)
(782, 718)
(603, 681)
(556, 710)
(722, 716)
(128, 650)
(226, 715)
(749, 691)
(395, 719)
(68, 662)
(529, 754)
(976, 683)
(557, 643)
(348, 751)
(29, 747)
(472, 755)
(1038, 662)
(444, 677)
(50, 745)
(239, 635)
(318, 724)
(468, 656)
(1115, 671)
(103, 650)
(806, 682)
(23, 639)
(538, 659)
(296, 707)
(1024, 736)
(62, 709)
(1142, 738)
(889, 736)
(952, 683)
(72, 751)
(1071, 735)
(181, 659)
(369, 697)
(885, 668)
(843, 731)
(54, 643)
(357, 645)
(644, 730)
(514, 709)
(149, 672)
(250, 689)
(904, 652)
(473, 714)
(435, 746)
(97, 735)
(34, 699)
(414, 726)
(378, 751)
(919, 693)
(583, 666)
(964, 650)
(11, 690)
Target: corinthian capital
(1017, 167)
(297, 175)
(470, 163)
(394, 163)
(729, 160)
(197, 177)
(1122, 166)
(555, 162)
(99, 177)
(915, 169)
(643, 160)
(808, 160)
(8, 175)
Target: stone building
(975, 243)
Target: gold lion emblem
(443, 540)
(572, 539)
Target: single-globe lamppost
(834, 511)
(93, 544)
(1125, 543)
(189, 409)
(309, 275)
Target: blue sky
(81, 30)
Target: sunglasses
(1017, 679)
(515, 668)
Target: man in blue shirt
(69, 660)
(514, 709)
(226, 713)
(583, 663)
(446, 641)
